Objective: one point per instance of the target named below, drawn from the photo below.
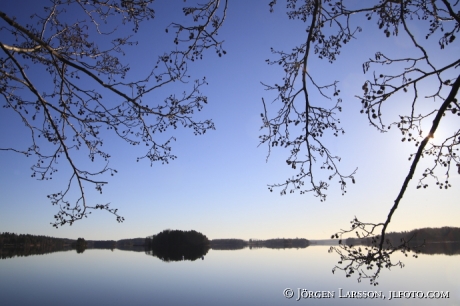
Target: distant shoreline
(427, 235)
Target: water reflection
(6, 253)
(239, 244)
(194, 253)
(441, 248)
(429, 248)
(178, 253)
(243, 277)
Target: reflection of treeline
(11, 252)
(446, 248)
(278, 243)
(417, 236)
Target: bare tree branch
(70, 112)
(313, 121)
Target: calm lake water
(240, 277)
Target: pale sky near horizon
(218, 183)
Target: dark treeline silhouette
(134, 244)
(444, 240)
(228, 244)
(173, 238)
(131, 242)
(8, 240)
(176, 245)
(280, 243)
(12, 245)
(417, 236)
(443, 234)
(101, 244)
(12, 240)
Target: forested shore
(28, 241)
(417, 236)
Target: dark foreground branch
(368, 261)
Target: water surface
(240, 277)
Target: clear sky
(218, 183)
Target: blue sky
(218, 184)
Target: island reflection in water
(191, 253)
